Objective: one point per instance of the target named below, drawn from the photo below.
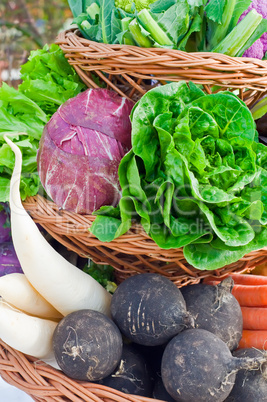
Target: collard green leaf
(195, 25)
(161, 5)
(105, 17)
(175, 20)
(214, 10)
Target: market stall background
(26, 25)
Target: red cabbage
(5, 232)
(9, 262)
(81, 148)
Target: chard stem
(153, 28)
(235, 40)
(139, 37)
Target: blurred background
(26, 25)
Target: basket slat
(131, 253)
(44, 383)
(132, 63)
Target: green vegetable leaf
(214, 10)
(196, 177)
(175, 20)
(48, 79)
(79, 6)
(217, 254)
(105, 19)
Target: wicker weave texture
(132, 253)
(129, 69)
(46, 384)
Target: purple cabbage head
(81, 148)
(9, 262)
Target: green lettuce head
(196, 176)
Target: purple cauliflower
(259, 48)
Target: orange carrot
(254, 317)
(241, 279)
(250, 296)
(253, 339)
(249, 279)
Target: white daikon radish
(29, 335)
(17, 290)
(62, 284)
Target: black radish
(87, 345)
(198, 366)
(149, 309)
(132, 375)
(215, 309)
(160, 392)
(250, 386)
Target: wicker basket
(46, 384)
(131, 70)
(131, 253)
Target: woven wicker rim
(131, 253)
(131, 65)
(44, 383)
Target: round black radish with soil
(198, 366)
(132, 375)
(87, 345)
(250, 386)
(149, 309)
(215, 309)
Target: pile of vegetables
(232, 27)
(186, 165)
(194, 178)
(61, 315)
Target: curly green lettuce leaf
(216, 254)
(48, 78)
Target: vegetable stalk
(260, 109)
(235, 40)
(127, 38)
(153, 28)
(139, 37)
(93, 10)
(222, 29)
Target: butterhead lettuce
(196, 176)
